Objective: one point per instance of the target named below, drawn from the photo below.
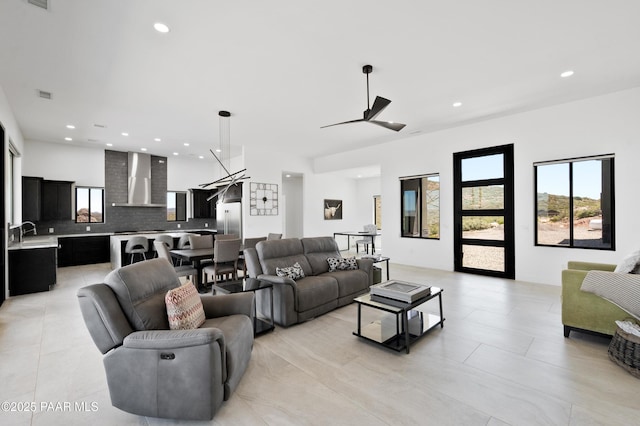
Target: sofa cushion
(184, 307)
(630, 264)
(141, 288)
(294, 272)
(350, 282)
(315, 290)
(281, 254)
(318, 250)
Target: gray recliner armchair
(157, 372)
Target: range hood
(138, 182)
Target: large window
(420, 201)
(89, 205)
(176, 206)
(575, 203)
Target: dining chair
(181, 271)
(219, 237)
(225, 260)
(248, 243)
(164, 238)
(366, 240)
(202, 242)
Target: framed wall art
(263, 199)
(332, 209)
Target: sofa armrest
(366, 265)
(276, 280)
(172, 339)
(228, 304)
(589, 266)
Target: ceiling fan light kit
(379, 104)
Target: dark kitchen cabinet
(31, 198)
(203, 209)
(56, 200)
(84, 250)
(31, 270)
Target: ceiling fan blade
(389, 125)
(345, 122)
(378, 106)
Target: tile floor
(500, 359)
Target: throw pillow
(342, 264)
(184, 307)
(294, 272)
(630, 264)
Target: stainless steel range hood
(139, 182)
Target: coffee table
(260, 324)
(402, 325)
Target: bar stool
(137, 245)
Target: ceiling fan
(379, 104)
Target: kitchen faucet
(23, 232)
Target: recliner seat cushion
(314, 291)
(350, 282)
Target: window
(89, 205)
(176, 206)
(575, 203)
(420, 201)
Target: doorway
(3, 221)
(292, 217)
(484, 231)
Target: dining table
(350, 234)
(196, 257)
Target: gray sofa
(157, 372)
(319, 292)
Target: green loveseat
(583, 311)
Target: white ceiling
(283, 68)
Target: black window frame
(181, 206)
(610, 214)
(416, 181)
(88, 188)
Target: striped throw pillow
(184, 307)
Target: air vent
(102, 126)
(44, 95)
(43, 4)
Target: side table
(406, 324)
(260, 324)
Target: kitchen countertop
(51, 241)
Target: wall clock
(263, 199)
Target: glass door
(484, 236)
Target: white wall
(605, 124)
(291, 203)
(54, 161)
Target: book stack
(398, 293)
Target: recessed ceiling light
(218, 150)
(567, 73)
(161, 28)
(68, 139)
(175, 153)
(201, 156)
(186, 144)
(143, 149)
(457, 104)
(157, 139)
(125, 134)
(287, 176)
(70, 126)
(109, 144)
(359, 176)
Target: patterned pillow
(342, 264)
(184, 307)
(294, 272)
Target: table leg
(359, 318)
(405, 322)
(441, 314)
(387, 262)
